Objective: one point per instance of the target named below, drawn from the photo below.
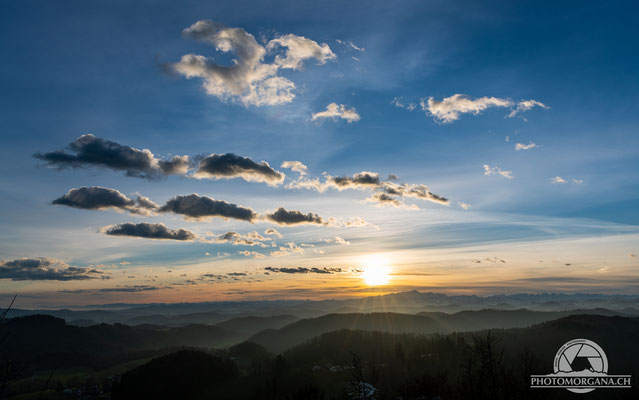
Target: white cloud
(463, 205)
(521, 146)
(398, 102)
(299, 49)
(526, 105)
(450, 108)
(335, 111)
(295, 166)
(488, 170)
(558, 179)
(351, 45)
(577, 181)
(249, 80)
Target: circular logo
(580, 357)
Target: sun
(376, 271)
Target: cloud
(199, 207)
(488, 170)
(284, 217)
(463, 205)
(249, 253)
(526, 105)
(229, 165)
(337, 240)
(299, 49)
(577, 181)
(100, 198)
(249, 80)
(351, 45)
(273, 232)
(398, 102)
(147, 231)
(360, 180)
(367, 180)
(383, 199)
(295, 166)
(45, 269)
(558, 179)
(450, 108)
(334, 111)
(521, 146)
(118, 289)
(305, 270)
(91, 151)
(250, 239)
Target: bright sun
(376, 272)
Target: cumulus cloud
(488, 170)
(558, 179)
(298, 49)
(100, 198)
(284, 217)
(305, 270)
(521, 146)
(91, 151)
(450, 108)
(383, 199)
(250, 79)
(273, 232)
(295, 166)
(148, 231)
(199, 207)
(334, 111)
(526, 105)
(47, 269)
(229, 165)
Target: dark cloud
(361, 179)
(285, 217)
(148, 231)
(99, 198)
(229, 165)
(48, 269)
(118, 289)
(305, 270)
(91, 151)
(195, 206)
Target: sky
(155, 151)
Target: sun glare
(376, 271)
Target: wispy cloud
(521, 146)
(488, 170)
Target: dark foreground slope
(479, 365)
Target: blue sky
(112, 70)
